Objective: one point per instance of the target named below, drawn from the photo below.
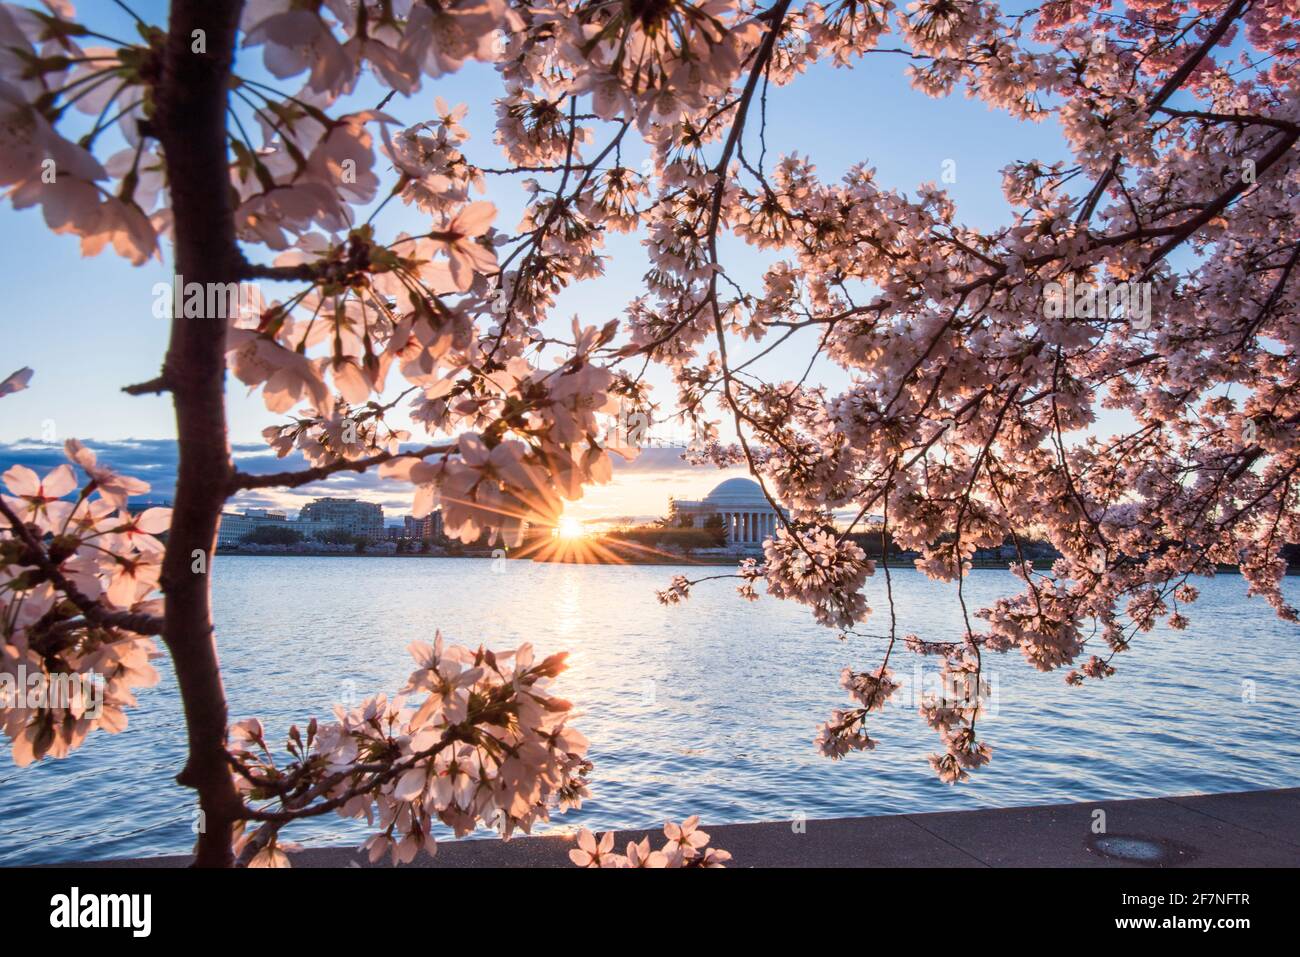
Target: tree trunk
(190, 122)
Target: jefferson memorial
(745, 513)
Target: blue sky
(86, 326)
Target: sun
(570, 528)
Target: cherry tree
(976, 361)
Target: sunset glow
(570, 528)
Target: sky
(87, 328)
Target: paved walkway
(1249, 829)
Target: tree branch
(155, 386)
(240, 481)
(1170, 86)
(1242, 119)
(1185, 229)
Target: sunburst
(570, 528)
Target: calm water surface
(706, 708)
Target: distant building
(746, 514)
(427, 529)
(363, 520)
(235, 526)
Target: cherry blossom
(487, 745)
(78, 598)
(686, 846)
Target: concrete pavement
(1247, 829)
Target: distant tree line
(281, 535)
(680, 534)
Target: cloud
(153, 460)
(659, 460)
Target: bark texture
(190, 122)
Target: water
(706, 708)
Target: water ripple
(706, 708)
